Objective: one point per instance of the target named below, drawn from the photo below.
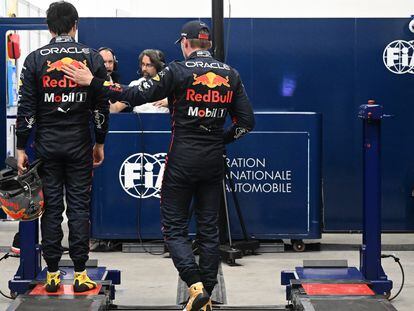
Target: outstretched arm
(149, 90)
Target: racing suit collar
(62, 38)
(199, 53)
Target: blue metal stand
(370, 271)
(370, 252)
(30, 257)
(30, 268)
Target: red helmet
(21, 197)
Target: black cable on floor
(8, 255)
(397, 260)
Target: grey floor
(152, 280)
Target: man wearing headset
(150, 62)
(201, 92)
(111, 64)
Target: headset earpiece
(104, 48)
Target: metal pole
(370, 252)
(226, 208)
(235, 200)
(372, 197)
(218, 29)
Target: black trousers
(203, 184)
(75, 176)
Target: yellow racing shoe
(82, 282)
(208, 306)
(52, 281)
(198, 299)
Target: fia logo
(141, 175)
(398, 57)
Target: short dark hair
(156, 56)
(61, 17)
(200, 43)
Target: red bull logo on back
(211, 80)
(57, 65)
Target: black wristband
(22, 141)
(97, 83)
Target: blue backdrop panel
(121, 201)
(129, 36)
(273, 189)
(331, 66)
(276, 169)
(280, 194)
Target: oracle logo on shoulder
(64, 50)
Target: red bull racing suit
(201, 92)
(61, 112)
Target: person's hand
(22, 161)
(117, 107)
(81, 75)
(161, 103)
(98, 154)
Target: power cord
(141, 129)
(8, 255)
(397, 260)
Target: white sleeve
(136, 82)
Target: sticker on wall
(141, 175)
(255, 175)
(398, 57)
